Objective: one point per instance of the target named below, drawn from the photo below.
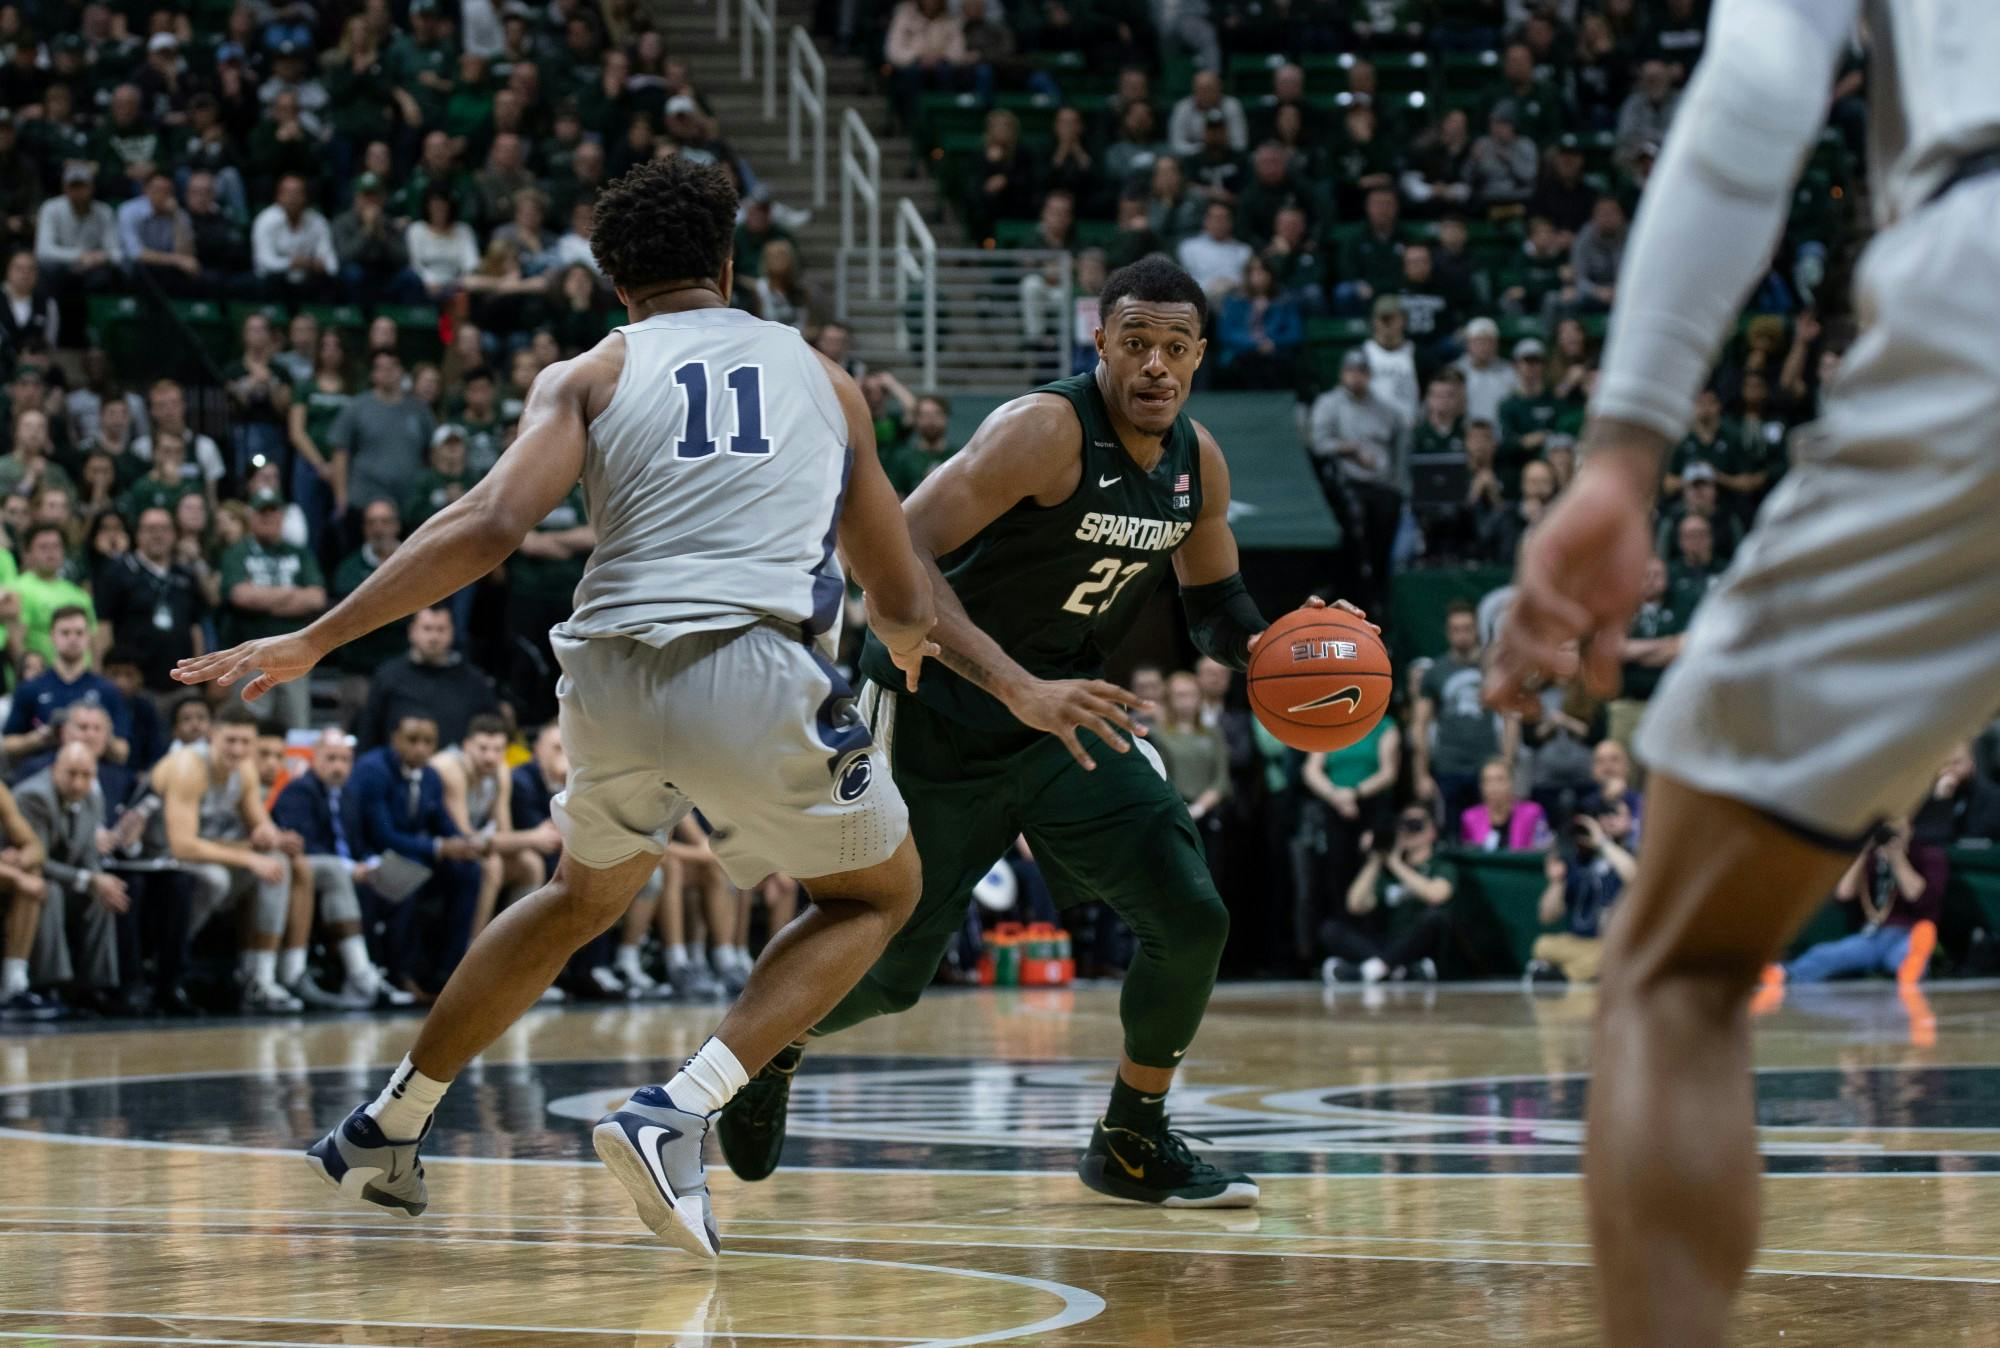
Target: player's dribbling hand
(272, 660)
(910, 657)
(1315, 601)
(1064, 706)
(1579, 575)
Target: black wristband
(1222, 618)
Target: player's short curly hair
(1154, 279)
(665, 220)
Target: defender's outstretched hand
(1578, 579)
(272, 660)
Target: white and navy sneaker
(357, 1160)
(653, 1148)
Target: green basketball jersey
(1059, 586)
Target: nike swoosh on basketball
(1350, 695)
(651, 1138)
(1136, 1172)
(1110, 481)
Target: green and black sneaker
(751, 1128)
(1159, 1168)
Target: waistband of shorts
(1975, 165)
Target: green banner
(1274, 500)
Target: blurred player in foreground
(1854, 640)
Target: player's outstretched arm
(875, 541)
(1031, 447)
(456, 546)
(1712, 213)
(1223, 619)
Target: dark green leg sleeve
(1121, 835)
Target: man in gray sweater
(1359, 447)
(378, 442)
(76, 235)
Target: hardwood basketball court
(1418, 1150)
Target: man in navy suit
(311, 806)
(395, 803)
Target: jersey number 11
(747, 383)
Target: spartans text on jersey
(1129, 531)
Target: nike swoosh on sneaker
(1136, 1172)
(652, 1138)
(1110, 481)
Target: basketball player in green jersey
(1046, 536)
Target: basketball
(1319, 679)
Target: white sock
(354, 958)
(677, 954)
(406, 1102)
(742, 958)
(709, 1080)
(13, 977)
(291, 966)
(263, 967)
(626, 961)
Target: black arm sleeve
(1222, 618)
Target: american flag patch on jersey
(1181, 482)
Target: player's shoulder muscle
(582, 385)
(1027, 447)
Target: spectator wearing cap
(374, 254)
(422, 60)
(164, 82)
(1392, 357)
(1216, 258)
(33, 717)
(1646, 113)
(151, 605)
(378, 441)
(1371, 257)
(291, 75)
(42, 589)
(1502, 168)
(1215, 172)
(1528, 414)
(1358, 440)
(291, 246)
(1562, 197)
(1187, 126)
(1489, 380)
(1712, 440)
(1699, 496)
(76, 236)
(271, 587)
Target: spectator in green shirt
(541, 585)
(1689, 579)
(1699, 497)
(270, 587)
(756, 229)
(42, 588)
(1397, 922)
(421, 60)
(1528, 416)
(445, 478)
(1714, 441)
(165, 483)
(381, 533)
(928, 445)
(1371, 257)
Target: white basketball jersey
(714, 480)
(1933, 94)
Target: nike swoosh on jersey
(651, 1138)
(1350, 695)
(1110, 481)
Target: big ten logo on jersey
(1323, 649)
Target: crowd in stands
(278, 275)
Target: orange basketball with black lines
(1319, 679)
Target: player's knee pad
(1756, 90)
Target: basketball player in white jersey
(722, 461)
(1851, 644)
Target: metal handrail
(807, 96)
(916, 262)
(861, 175)
(759, 20)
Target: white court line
(43, 1336)
(195, 1219)
(1078, 1304)
(1039, 1327)
(176, 1316)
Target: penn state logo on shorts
(853, 777)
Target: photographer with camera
(1581, 891)
(1900, 889)
(1398, 918)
